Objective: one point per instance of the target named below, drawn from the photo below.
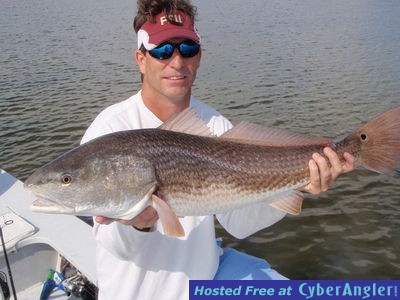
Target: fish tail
(376, 144)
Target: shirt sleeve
(245, 221)
(96, 129)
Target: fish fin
(290, 202)
(260, 135)
(380, 143)
(187, 121)
(169, 220)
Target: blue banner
(294, 289)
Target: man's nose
(176, 60)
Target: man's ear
(140, 58)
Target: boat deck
(36, 242)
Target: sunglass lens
(189, 49)
(166, 50)
(162, 52)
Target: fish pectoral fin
(289, 202)
(169, 220)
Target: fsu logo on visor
(152, 34)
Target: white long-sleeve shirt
(150, 265)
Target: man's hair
(148, 9)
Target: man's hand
(324, 173)
(146, 219)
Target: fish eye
(66, 179)
(363, 137)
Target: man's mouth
(175, 77)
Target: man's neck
(163, 107)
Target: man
(135, 259)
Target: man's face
(171, 78)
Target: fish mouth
(43, 204)
(48, 206)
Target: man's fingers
(325, 173)
(315, 184)
(104, 220)
(325, 169)
(335, 164)
(349, 162)
(147, 218)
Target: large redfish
(186, 174)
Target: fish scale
(218, 168)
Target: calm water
(312, 66)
